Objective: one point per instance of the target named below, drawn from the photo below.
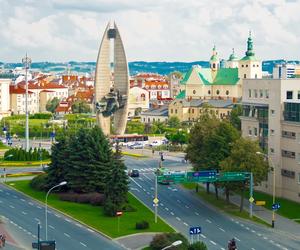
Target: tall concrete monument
(111, 82)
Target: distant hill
(163, 68)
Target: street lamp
(274, 183)
(26, 62)
(174, 244)
(46, 207)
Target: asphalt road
(183, 209)
(24, 214)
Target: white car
(155, 143)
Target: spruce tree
(116, 184)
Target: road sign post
(194, 231)
(155, 201)
(251, 196)
(119, 214)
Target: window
(298, 94)
(193, 111)
(249, 131)
(288, 134)
(255, 131)
(227, 92)
(253, 65)
(288, 173)
(242, 65)
(272, 132)
(267, 93)
(194, 91)
(289, 95)
(272, 112)
(249, 93)
(255, 93)
(171, 111)
(272, 150)
(208, 92)
(175, 111)
(298, 158)
(245, 76)
(218, 92)
(261, 93)
(246, 65)
(288, 154)
(154, 119)
(255, 76)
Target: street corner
(9, 243)
(136, 241)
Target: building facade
(271, 115)
(4, 97)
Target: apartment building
(271, 115)
(4, 97)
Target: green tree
(137, 111)
(179, 137)
(244, 158)
(199, 245)
(235, 114)
(80, 107)
(116, 185)
(174, 122)
(135, 127)
(52, 104)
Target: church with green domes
(221, 81)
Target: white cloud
(165, 30)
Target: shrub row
(20, 154)
(142, 225)
(94, 198)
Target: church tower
(233, 61)
(249, 65)
(214, 61)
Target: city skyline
(166, 31)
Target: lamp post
(274, 183)
(26, 61)
(174, 244)
(46, 206)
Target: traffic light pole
(155, 197)
(251, 195)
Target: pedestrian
(153, 152)
(3, 240)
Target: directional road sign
(251, 199)
(155, 200)
(260, 203)
(275, 206)
(195, 230)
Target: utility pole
(26, 62)
(251, 195)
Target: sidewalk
(10, 243)
(282, 224)
(136, 241)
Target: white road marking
(67, 235)
(222, 248)
(185, 224)
(174, 190)
(222, 229)
(15, 196)
(135, 182)
(265, 238)
(30, 203)
(177, 218)
(237, 238)
(22, 200)
(38, 207)
(253, 231)
(271, 241)
(208, 220)
(172, 213)
(247, 228)
(196, 213)
(78, 225)
(51, 227)
(7, 193)
(90, 230)
(37, 219)
(148, 193)
(11, 206)
(1, 190)
(212, 242)
(24, 213)
(0, 201)
(141, 179)
(242, 225)
(252, 248)
(178, 201)
(83, 244)
(167, 208)
(187, 206)
(147, 177)
(259, 234)
(67, 220)
(144, 189)
(162, 204)
(58, 216)
(203, 236)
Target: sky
(151, 30)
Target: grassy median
(223, 205)
(94, 216)
(23, 163)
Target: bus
(128, 140)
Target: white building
(4, 97)
(271, 115)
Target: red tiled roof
(18, 90)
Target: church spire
(250, 51)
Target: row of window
(246, 65)
(175, 110)
(209, 92)
(258, 93)
(158, 86)
(290, 93)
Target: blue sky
(162, 30)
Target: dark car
(134, 173)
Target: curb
(137, 234)
(66, 215)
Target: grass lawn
(23, 163)
(222, 204)
(94, 216)
(288, 209)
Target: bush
(39, 182)
(20, 154)
(95, 199)
(160, 241)
(40, 116)
(142, 224)
(197, 246)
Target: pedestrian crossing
(146, 170)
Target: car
(155, 143)
(133, 173)
(137, 146)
